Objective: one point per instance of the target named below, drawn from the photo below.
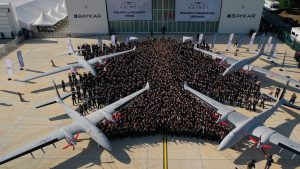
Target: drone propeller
(72, 143)
(221, 122)
(260, 144)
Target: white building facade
(8, 20)
(174, 16)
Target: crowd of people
(166, 64)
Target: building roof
(16, 2)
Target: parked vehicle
(295, 33)
(271, 5)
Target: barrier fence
(50, 35)
(5, 49)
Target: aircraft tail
(53, 100)
(59, 99)
(70, 47)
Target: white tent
(28, 11)
(64, 5)
(45, 20)
(55, 15)
(60, 9)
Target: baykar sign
(197, 10)
(129, 9)
(87, 15)
(241, 15)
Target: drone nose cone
(225, 73)
(223, 145)
(221, 148)
(107, 146)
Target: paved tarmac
(21, 123)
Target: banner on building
(197, 10)
(20, 59)
(230, 41)
(129, 10)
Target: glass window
(154, 4)
(155, 17)
(165, 4)
(150, 27)
(159, 15)
(202, 27)
(159, 26)
(145, 29)
(127, 26)
(171, 4)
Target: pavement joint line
(19, 122)
(200, 154)
(165, 151)
(48, 147)
(147, 153)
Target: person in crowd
(277, 92)
(269, 161)
(293, 99)
(73, 98)
(251, 165)
(167, 108)
(63, 85)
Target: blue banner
(20, 58)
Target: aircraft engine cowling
(224, 115)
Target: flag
(273, 50)
(252, 40)
(270, 40)
(20, 58)
(261, 41)
(100, 42)
(9, 69)
(8, 63)
(113, 40)
(186, 38)
(229, 41)
(214, 40)
(200, 38)
(73, 70)
(127, 40)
